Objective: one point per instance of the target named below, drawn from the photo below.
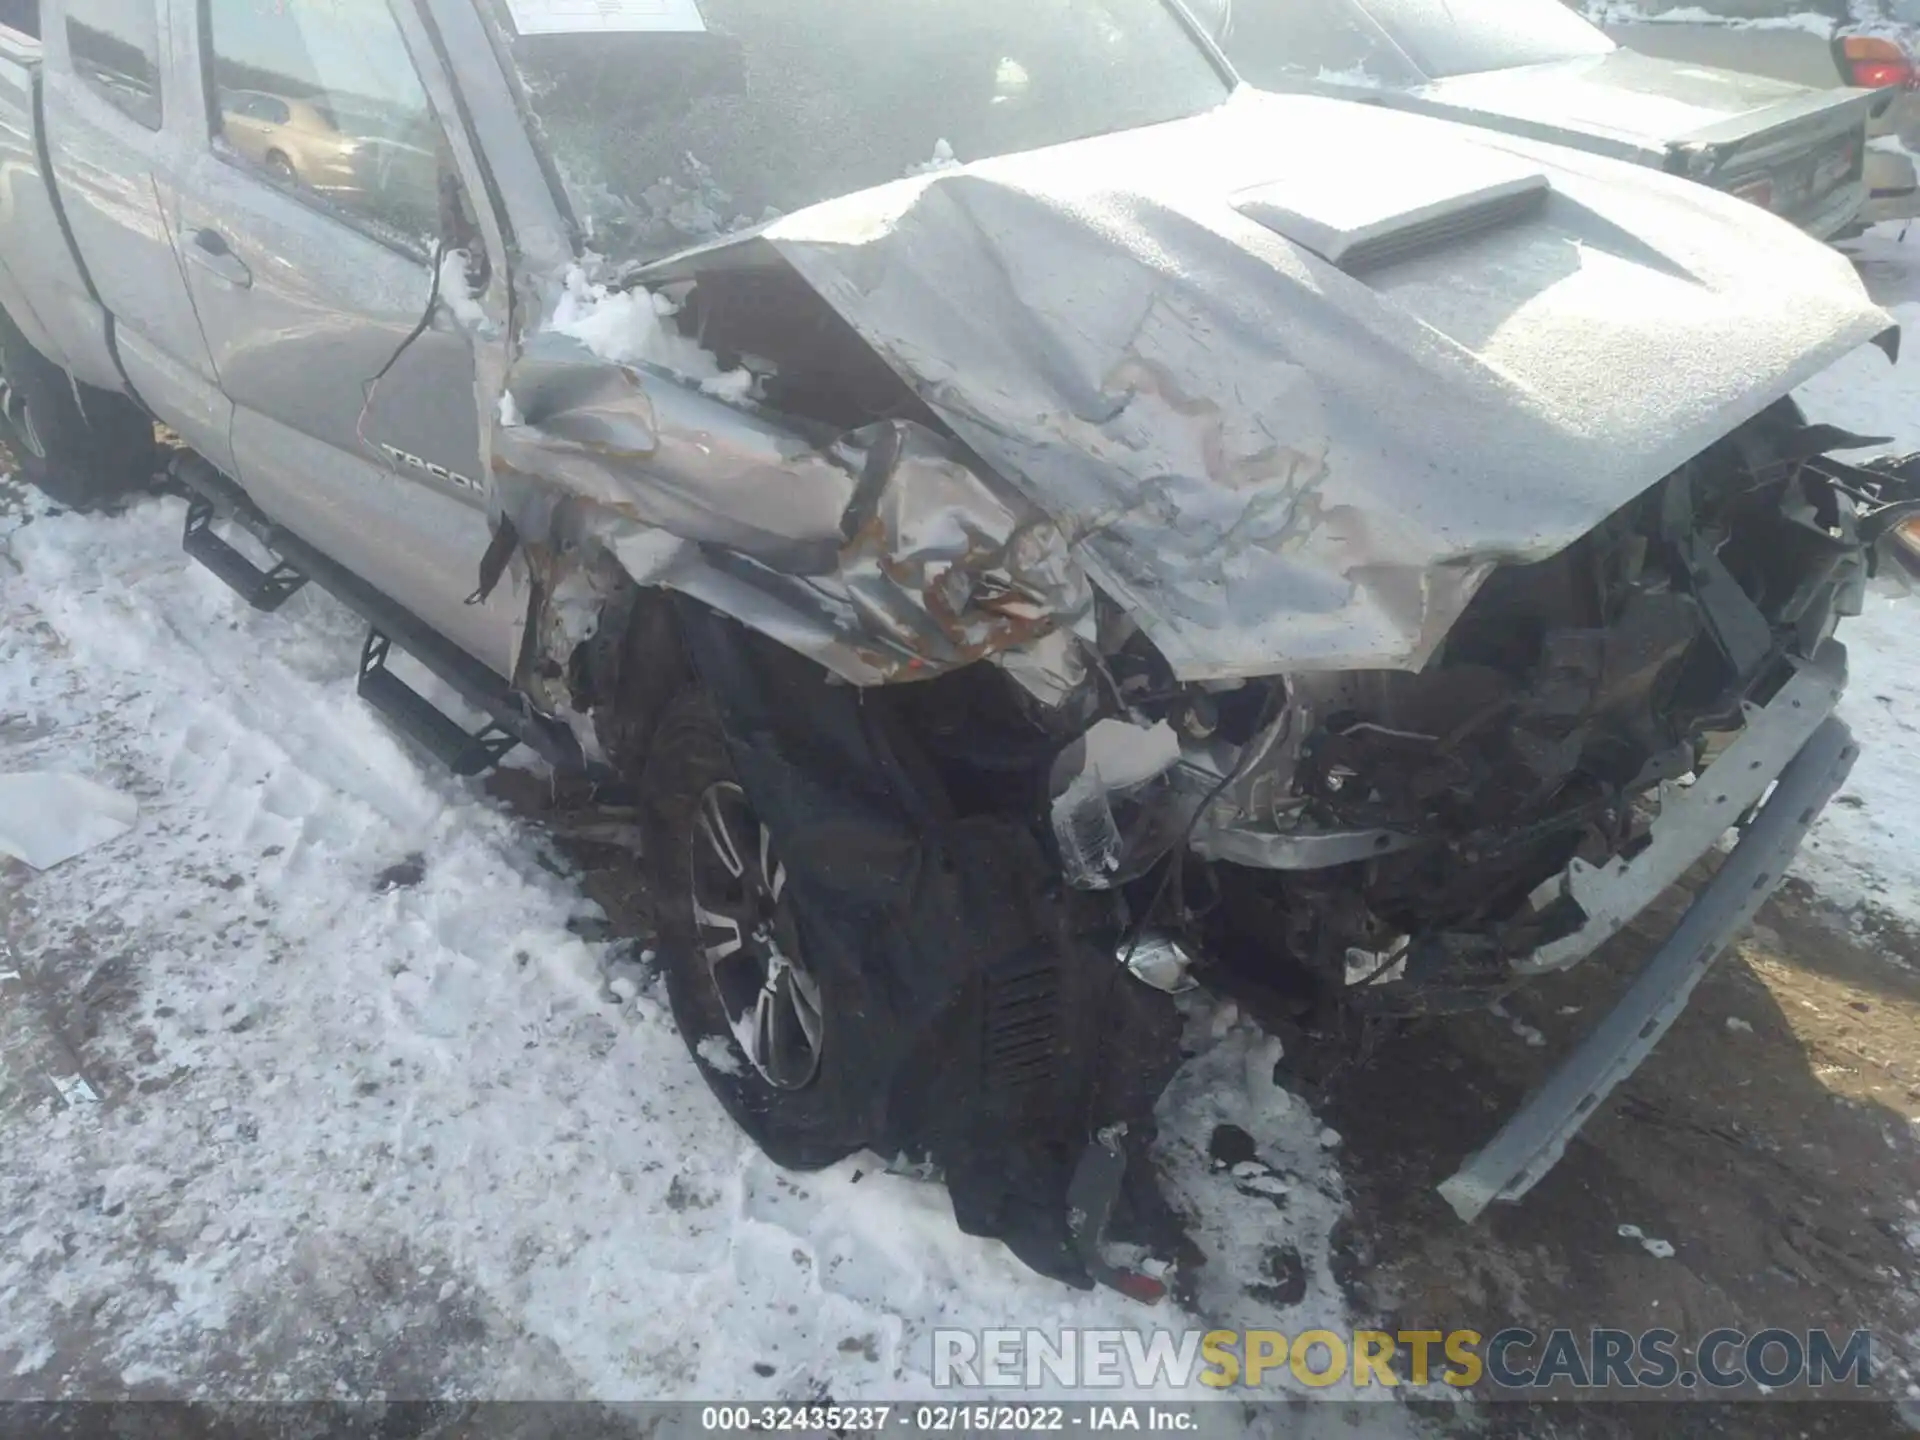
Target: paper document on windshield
(580, 17)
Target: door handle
(209, 250)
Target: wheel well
(627, 672)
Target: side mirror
(1215, 17)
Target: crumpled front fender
(879, 552)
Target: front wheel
(79, 446)
(773, 1023)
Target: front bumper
(1821, 755)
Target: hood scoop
(1420, 200)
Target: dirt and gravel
(1768, 1140)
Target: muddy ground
(1769, 1140)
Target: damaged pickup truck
(1027, 529)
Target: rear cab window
(115, 48)
(21, 16)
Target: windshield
(709, 115)
(1401, 43)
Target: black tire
(282, 171)
(802, 1126)
(79, 446)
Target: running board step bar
(262, 589)
(421, 721)
(393, 627)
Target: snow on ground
(1864, 850)
(267, 1129)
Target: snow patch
(627, 327)
(456, 290)
(1528, 1033)
(1247, 1164)
(943, 159)
(1356, 76)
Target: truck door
(310, 210)
(113, 107)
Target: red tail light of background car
(1874, 63)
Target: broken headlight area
(1406, 837)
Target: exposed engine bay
(1388, 831)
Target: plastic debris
(47, 817)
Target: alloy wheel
(19, 419)
(748, 940)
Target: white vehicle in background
(1868, 44)
(1535, 69)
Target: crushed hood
(1273, 463)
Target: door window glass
(322, 98)
(115, 46)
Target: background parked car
(1871, 44)
(361, 155)
(1534, 68)
(295, 140)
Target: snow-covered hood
(1273, 464)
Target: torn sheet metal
(648, 448)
